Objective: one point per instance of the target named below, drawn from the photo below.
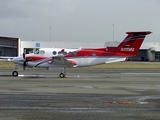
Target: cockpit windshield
(37, 51)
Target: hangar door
(8, 46)
(157, 56)
(141, 56)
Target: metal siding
(9, 46)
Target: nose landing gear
(15, 73)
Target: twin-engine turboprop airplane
(54, 58)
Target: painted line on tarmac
(142, 73)
(68, 76)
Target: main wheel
(15, 73)
(61, 75)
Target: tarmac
(86, 94)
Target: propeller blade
(24, 65)
(24, 55)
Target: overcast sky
(78, 20)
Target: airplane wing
(58, 61)
(6, 58)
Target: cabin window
(59, 52)
(41, 51)
(54, 52)
(75, 53)
(65, 53)
(62, 53)
(70, 53)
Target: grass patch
(119, 65)
(6, 64)
(129, 65)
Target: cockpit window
(36, 52)
(59, 52)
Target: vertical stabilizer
(132, 43)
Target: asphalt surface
(86, 94)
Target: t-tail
(132, 43)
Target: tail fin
(132, 43)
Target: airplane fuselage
(81, 58)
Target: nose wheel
(15, 73)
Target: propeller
(24, 55)
(24, 63)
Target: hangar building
(9, 46)
(12, 47)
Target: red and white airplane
(58, 58)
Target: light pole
(113, 32)
(50, 33)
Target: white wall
(33, 44)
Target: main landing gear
(62, 74)
(15, 72)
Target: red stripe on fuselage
(35, 58)
(93, 53)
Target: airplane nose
(17, 59)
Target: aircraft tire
(15, 73)
(61, 75)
